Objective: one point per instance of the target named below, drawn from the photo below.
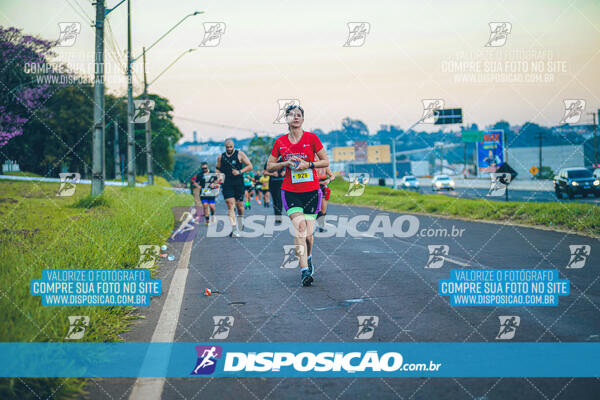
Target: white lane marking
(151, 388)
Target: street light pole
(116, 147)
(394, 149)
(170, 65)
(540, 154)
(148, 131)
(594, 143)
(394, 161)
(130, 126)
(98, 137)
(130, 108)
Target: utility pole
(148, 131)
(540, 155)
(595, 142)
(130, 126)
(465, 160)
(116, 148)
(98, 137)
(394, 161)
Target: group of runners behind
(296, 177)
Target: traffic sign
(471, 136)
(447, 116)
(534, 170)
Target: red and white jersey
(306, 148)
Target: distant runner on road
(208, 189)
(300, 193)
(275, 189)
(264, 181)
(248, 187)
(233, 163)
(325, 176)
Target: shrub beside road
(40, 230)
(576, 217)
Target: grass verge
(39, 230)
(576, 217)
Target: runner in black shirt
(233, 163)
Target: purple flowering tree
(21, 91)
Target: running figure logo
(212, 34)
(77, 326)
(499, 184)
(429, 106)
(291, 254)
(283, 105)
(142, 111)
(207, 359)
(499, 32)
(574, 109)
(148, 255)
(437, 255)
(68, 33)
(357, 33)
(579, 255)
(358, 182)
(68, 182)
(223, 324)
(188, 228)
(508, 326)
(366, 326)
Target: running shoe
(235, 234)
(306, 278)
(311, 270)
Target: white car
(442, 182)
(409, 182)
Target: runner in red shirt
(300, 193)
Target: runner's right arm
(195, 183)
(273, 165)
(219, 164)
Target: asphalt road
(513, 195)
(377, 276)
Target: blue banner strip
(356, 359)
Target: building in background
(360, 150)
(345, 153)
(379, 154)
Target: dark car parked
(572, 181)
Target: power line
(224, 126)
(114, 45)
(82, 10)
(82, 16)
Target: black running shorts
(235, 190)
(308, 203)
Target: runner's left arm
(321, 163)
(246, 161)
(330, 175)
